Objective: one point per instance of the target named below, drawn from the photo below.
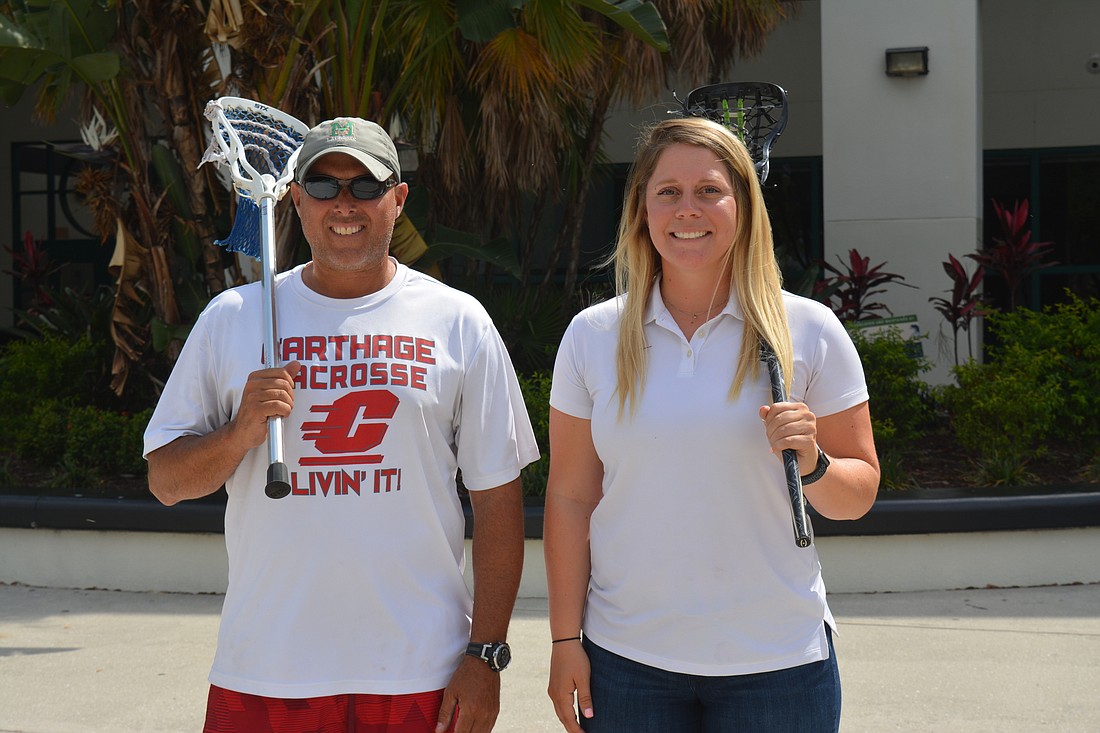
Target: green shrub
(1037, 388)
(36, 370)
(1066, 339)
(1004, 412)
(899, 399)
(49, 388)
(39, 435)
(536, 394)
(106, 443)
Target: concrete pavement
(964, 661)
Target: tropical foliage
(848, 291)
(964, 305)
(498, 105)
(1012, 255)
(501, 103)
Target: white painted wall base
(196, 563)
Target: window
(1062, 187)
(793, 195)
(45, 204)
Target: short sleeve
(568, 390)
(494, 435)
(830, 370)
(189, 404)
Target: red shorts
(237, 712)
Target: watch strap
(493, 653)
(819, 469)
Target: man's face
(345, 234)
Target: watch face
(502, 655)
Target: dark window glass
(1061, 188)
(792, 193)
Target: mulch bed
(937, 461)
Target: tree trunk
(569, 240)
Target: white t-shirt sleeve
(189, 403)
(493, 432)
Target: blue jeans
(629, 697)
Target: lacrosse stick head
(258, 146)
(755, 111)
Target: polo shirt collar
(656, 306)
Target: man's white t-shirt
(354, 582)
(694, 563)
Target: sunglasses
(363, 188)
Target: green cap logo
(341, 128)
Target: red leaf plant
(1013, 255)
(964, 305)
(853, 287)
(33, 267)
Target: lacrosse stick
(259, 146)
(790, 456)
(756, 111)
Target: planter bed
(917, 511)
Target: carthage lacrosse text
(370, 361)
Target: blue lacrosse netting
(245, 236)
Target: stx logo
(353, 426)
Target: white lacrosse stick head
(257, 146)
(257, 143)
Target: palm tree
(504, 103)
(522, 130)
(708, 36)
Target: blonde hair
(750, 263)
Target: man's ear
(296, 195)
(401, 193)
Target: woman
(679, 600)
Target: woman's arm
(572, 493)
(850, 485)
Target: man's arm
(498, 564)
(193, 466)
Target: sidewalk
(969, 661)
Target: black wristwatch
(496, 654)
(819, 469)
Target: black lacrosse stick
(790, 456)
(756, 111)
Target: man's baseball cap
(363, 140)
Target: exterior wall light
(907, 61)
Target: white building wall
(1039, 91)
(902, 156)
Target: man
(346, 607)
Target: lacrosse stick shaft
(259, 145)
(790, 456)
(278, 477)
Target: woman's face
(691, 209)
